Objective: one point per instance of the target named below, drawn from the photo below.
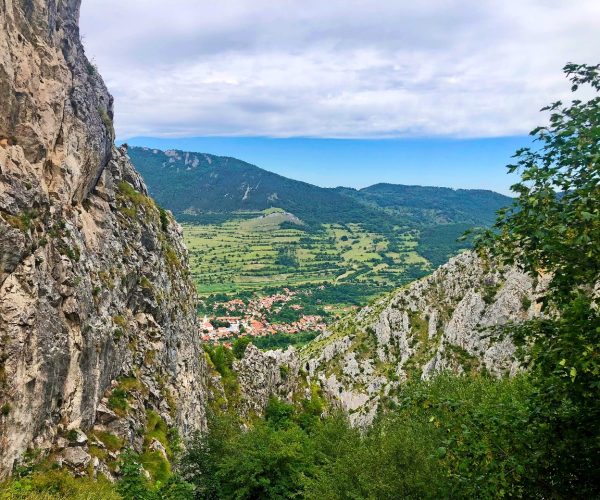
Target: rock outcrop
(96, 306)
(262, 375)
(445, 322)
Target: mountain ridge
(250, 187)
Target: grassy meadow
(269, 249)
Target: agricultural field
(253, 231)
(273, 249)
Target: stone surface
(445, 322)
(265, 374)
(76, 457)
(94, 282)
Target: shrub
(239, 346)
(107, 121)
(156, 428)
(164, 219)
(57, 485)
(112, 442)
(117, 401)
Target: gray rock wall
(94, 282)
(444, 322)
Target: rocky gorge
(99, 344)
(448, 321)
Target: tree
(554, 228)
(554, 224)
(266, 463)
(239, 346)
(132, 483)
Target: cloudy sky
(355, 69)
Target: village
(252, 318)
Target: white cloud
(341, 68)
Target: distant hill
(248, 229)
(198, 185)
(438, 204)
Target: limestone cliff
(445, 321)
(96, 307)
(265, 374)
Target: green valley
(249, 230)
(267, 251)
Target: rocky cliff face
(96, 306)
(265, 374)
(442, 322)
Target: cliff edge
(96, 305)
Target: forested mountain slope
(196, 183)
(429, 204)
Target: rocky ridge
(262, 375)
(97, 317)
(444, 322)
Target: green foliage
(239, 346)
(57, 485)
(525, 302)
(132, 201)
(120, 321)
(156, 428)
(172, 258)
(286, 257)
(117, 401)
(72, 435)
(274, 466)
(107, 121)
(271, 460)
(564, 410)
(554, 227)
(72, 253)
(278, 413)
(200, 463)
(489, 293)
(176, 186)
(454, 437)
(132, 483)
(156, 464)
(428, 204)
(164, 219)
(221, 357)
(282, 340)
(24, 221)
(111, 441)
(90, 68)
(174, 488)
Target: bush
(239, 346)
(279, 414)
(57, 485)
(117, 401)
(454, 437)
